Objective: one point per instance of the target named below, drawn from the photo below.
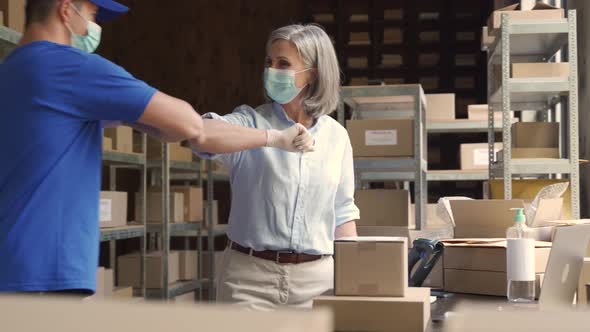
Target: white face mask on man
(88, 43)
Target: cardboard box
(154, 207)
(486, 39)
(189, 262)
(123, 293)
(176, 152)
(382, 138)
(122, 138)
(193, 202)
(483, 218)
(535, 135)
(482, 282)
(476, 156)
(530, 153)
(215, 208)
(478, 266)
(410, 313)
(13, 14)
(479, 112)
(107, 144)
(540, 11)
(128, 269)
(217, 263)
(105, 282)
(440, 106)
(371, 266)
(385, 103)
(381, 207)
(1, 18)
(113, 209)
(584, 280)
(540, 69)
(392, 36)
(185, 299)
(388, 231)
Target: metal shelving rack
(160, 234)
(536, 40)
(118, 160)
(394, 169)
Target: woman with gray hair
(287, 209)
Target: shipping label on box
(371, 266)
(382, 138)
(410, 313)
(106, 206)
(476, 156)
(113, 209)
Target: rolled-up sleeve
(345, 208)
(244, 116)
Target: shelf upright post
(506, 106)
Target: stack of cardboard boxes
(384, 212)
(176, 152)
(182, 265)
(475, 261)
(371, 290)
(122, 139)
(186, 205)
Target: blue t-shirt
(52, 100)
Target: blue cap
(109, 10)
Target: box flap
(487, 243)
(379, 239)
(547, 210)
(515, 6)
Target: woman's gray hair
(316, 51)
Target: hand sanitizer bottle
(520, 260)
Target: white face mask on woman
(280, 84)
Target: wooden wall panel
(209, 53)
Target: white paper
(520, 259)
(106, 210)
(380, 137)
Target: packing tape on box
(367, 246)
(372, 289)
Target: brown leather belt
(279, 257)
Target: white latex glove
(293, 139)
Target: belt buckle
(278, 255)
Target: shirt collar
(280, 110)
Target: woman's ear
(313, 75)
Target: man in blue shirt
(54, 96)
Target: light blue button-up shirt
(289, 201)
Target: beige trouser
(260, 284)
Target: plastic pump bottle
(520, 260)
